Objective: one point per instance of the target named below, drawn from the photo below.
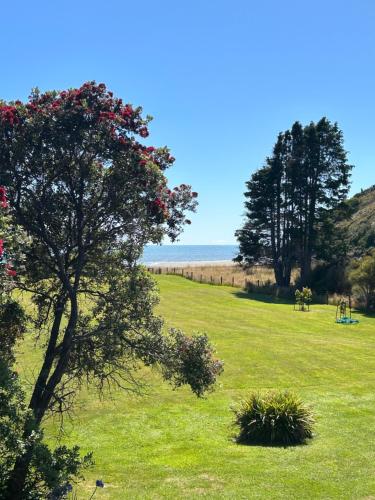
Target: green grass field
(169, 444)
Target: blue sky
(221, 79)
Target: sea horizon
(179, 253)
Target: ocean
(157, 254)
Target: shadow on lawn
(358, 312)
(262, 298)
(234, 439)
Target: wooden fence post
(232, 280)
(221, 280)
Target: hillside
(361, 225)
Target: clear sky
(221, 79)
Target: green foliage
(49, 469)
(190, 361)
(12, 327)
(275, 418)
(329, 277)
(303, 298)
(90, 195)
(12, 414)
(362, 277)
(288, 199)
(358, 229)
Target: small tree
(90, 196)
(362, 277)
(303, 298)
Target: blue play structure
(344, 313)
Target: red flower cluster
(160, 203)
(10, 271)
(107, 115)
(1, 248)
(127, 111)
(3, 197)
(9, 114)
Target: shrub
(303, 298)
(362, 277)
(275, 418)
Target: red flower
(11, 272)
(127, 111)
(9, 114)
(3, 197)
(160, 203)
(106, 115)
(194, 194)
(150, 149)
(121, 140)
(143, 132)
(142, 162)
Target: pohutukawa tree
(90, 196)
(288, 200)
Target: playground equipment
(344, 313)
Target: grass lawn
(169, 444)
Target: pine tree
(287, 199)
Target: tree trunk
(41, 399)
(16, 483)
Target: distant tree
(287, 199)
(90, 196)
(362, 277)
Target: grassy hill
(169, 444)
(360, 227)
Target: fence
(237, 280)
(248, 283)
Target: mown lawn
(169, 444)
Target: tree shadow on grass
(364, 314)
(270, 445)
(259, 297)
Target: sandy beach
(198, 263)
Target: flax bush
(273, 418)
